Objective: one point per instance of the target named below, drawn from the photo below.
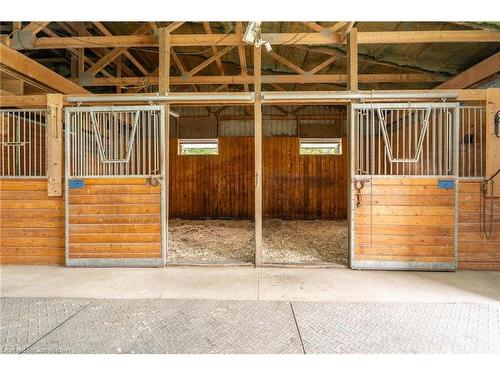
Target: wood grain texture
(115, 218)
(405, 219)
(294, 186)
(475, 251)
(31, 223)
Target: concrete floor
(246, 283)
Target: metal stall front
(404, 192)
(115, 197)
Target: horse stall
(419, 198)
(211, 200)
(31, 221)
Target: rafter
(314, 26)
(35, 27)
(208, 61)
(25, 66)
(474, 74)
(286, 62)
(323, 65)
(134, 61)
(111, 55)
(208, 30)
(347, 30)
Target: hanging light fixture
(253, 36)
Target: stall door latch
(359, 184)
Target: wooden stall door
(404, 223)
(114, 222)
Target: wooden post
(54, 141)
(492, 145)
(352, 60)
(257, 61)
(164, 63)
(164, 89)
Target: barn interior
(258, 168)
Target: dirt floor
(305, 241)
(211, 241)
(232, 241)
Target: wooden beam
(352, 60)
(173, 26)
(257, 84)
(23, 101)
(492, 142)
(179, 40)
(134, 61)
(35, 27)
(54, 144)
(474, 74)
(112, 55)
(285, 62)
(209, 61)
(242, 55)
(164, 62)
(283, 78)
(323, 65)
(27, 67)
(347, 30)
(314, 26)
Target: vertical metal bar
(468, 145)
(163, 172)
(367, 143)
(481, 140)
(398, 120)
(3, 144)
(455, 126)
(30, 125)
(440, 145)
(427, 136)
(24, 143)
(41, 148)
(69, 118)
(378, 147)
(361, 145)
(143, 149)
(475, 142)
(372, 144)
(403, 166)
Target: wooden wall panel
(294, 186)
(213, 186)
(31, 223)
(405, 219)
(475, 251)
(115, 218)
(303, 186)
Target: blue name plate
(76, 184)
(446, 184)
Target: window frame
(319, 141)
(193, 141)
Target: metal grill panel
(471, 138)
(23, 139)
(107, 142)
(404, 139)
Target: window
(198, 147)
(320, 146)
